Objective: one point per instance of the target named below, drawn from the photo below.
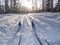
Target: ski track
(46, 25)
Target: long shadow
(19, 28)
(47, 42)
(34, 31)
(15, 35)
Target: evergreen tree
(49, 5)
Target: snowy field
(30, 29)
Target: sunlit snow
(30, 29)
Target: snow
(30, 29)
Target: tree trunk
(6, 6)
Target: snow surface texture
(30, 29)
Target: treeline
(49, 7)
(10, 6)
(15, 7)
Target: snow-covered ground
(30, 29)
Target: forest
(14, 6)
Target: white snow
(46, 26)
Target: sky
(28, 3)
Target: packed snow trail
(30, 29)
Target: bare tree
(14, 6)
(43, 5)
(36, 5)
(6, 6)
(0, 6)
